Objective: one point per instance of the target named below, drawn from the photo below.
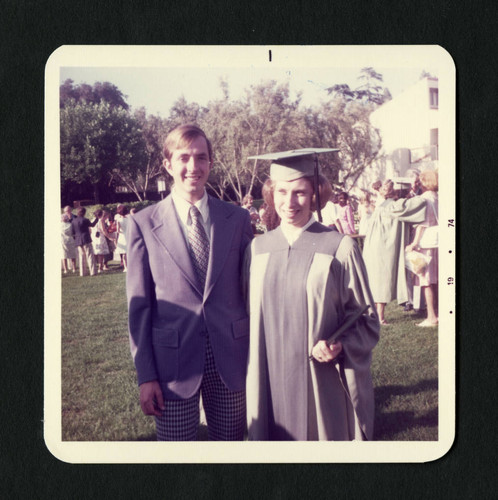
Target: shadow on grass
(202, 435)
(391, 423)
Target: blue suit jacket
(169, 315)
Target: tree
(97, 142)
(137, 175)
(369, 91)
(262, 121)
(84, 93)
(358, 141)
(183, 112)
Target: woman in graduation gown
(384, 246)
(305, 281)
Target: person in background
(365, 211)
(111, 240)
(330, 216)
(414, 190)
(385, 241)
(69, 250)
(121, 219)
(429, 279)
(68, 211)
(345, 213)
(99, 240)
(83, 240)
(247, 203)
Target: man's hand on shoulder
(151, 398)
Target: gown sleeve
(359, 341)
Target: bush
(111, 207)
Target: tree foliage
(104, 143)
(97, 141)
(370, 90)
(84, 93)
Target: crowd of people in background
(387, 223)
(93, 243)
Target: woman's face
(293, 201)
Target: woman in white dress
(365, 211)
(121, 219)
(69, 251)
(99, 241)
(429, 279)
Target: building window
(434, 98)
(434, 144)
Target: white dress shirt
(182, 207)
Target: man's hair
(81, 211)
(121, 209)
(183, 136)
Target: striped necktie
(199, 245)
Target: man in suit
(81, 231)
(189, 329)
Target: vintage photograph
(249, 244)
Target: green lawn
(100, 395)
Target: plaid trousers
(225, 410)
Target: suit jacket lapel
(222, 229)
(167, 230)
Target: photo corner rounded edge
(446, 55)
(54, 59)
(55, 446)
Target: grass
(100, 394)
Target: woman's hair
(429, 180)
(183, 136)
(387, 189)
(376, 185)
(246, 198)
(365, 198)
(121, 210)
(270, 218)
(324, 190)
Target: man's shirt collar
(183, 206)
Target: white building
(408, 126)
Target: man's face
(189, 166)
(293, 201)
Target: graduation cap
(295, 164)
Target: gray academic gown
(297, 296)
(384, 247)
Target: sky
(156, 83)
